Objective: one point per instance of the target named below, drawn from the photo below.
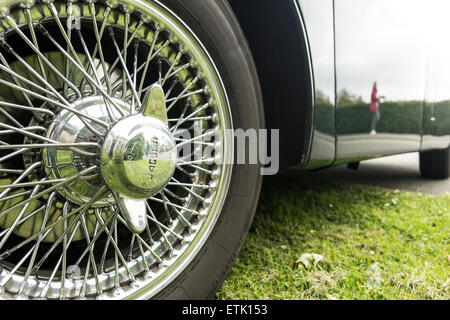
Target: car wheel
(435, 164)
(96, 100)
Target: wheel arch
(279, 44)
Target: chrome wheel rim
(66, 229)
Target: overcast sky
(404, 45)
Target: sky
(404, 45)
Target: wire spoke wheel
(97, 101)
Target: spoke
(161, 226)
(189, 86)
(175, 127)
(65, 105)
(13, 171)
(187, 95)
(30, 184)
(55, 269)
(94, 70)
(88, 264)
(38, 137)
(18, 106)
(204, 135)
(18, 195)
(159, 71)
(54, 187)
(91, 255)
(113, 66)
(78, 66)
(103, 227)
(166, 208)
(25, 173)
(116, 259)
(35, 42)
(183, 219)
(116, 248)
(32, 128)
(157, 258)
(183, 67)
(136, 48)
(19, 264)
(11, 118)
(27, 99)
(86, 274)
(62, 291)
(69, 22)
(185, 163)
(13, 154)
(38, 242)
(189, 190)
(99, 36)
(202, 108)
(195, 167)
(147, 63)
(174, 63)
(202, 143)
(23, 79)
(170, 193)
(180, 215)
(123, 59)
(51, 145)
(63, 32)
(84, 209)
(108, 240)
(170, 204)
(190, 185)
(12, 24)
(149, 234)
(130, 249)
(16, 220)
(144, 259)
(205, 118)
(189, 174)
(98, 46)
(156, 53)
(75, 221)
(45, 231)
(172, 86)
(16, 267)
(125, 69)
(31, 215)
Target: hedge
(396, 117)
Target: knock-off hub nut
(138, 157)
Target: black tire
(217, 28)
(435, 164)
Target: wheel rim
(67, 228)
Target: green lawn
(375, 243)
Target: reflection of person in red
(375, 108)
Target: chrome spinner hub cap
(138, 157)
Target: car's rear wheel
(435, 164)
(97, 99)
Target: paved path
(395, 172)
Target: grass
(375, 243)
